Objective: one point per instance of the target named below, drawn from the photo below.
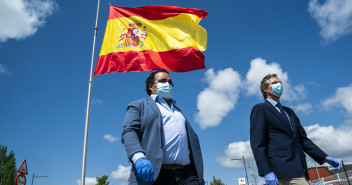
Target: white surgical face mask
(277, 89)
(164, 90)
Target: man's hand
(333, 162)
(271, 179)
(145, 169)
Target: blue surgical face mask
(164, 90)
(277, 89)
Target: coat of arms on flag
(133, 35)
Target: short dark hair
(265, 84)
(151, 78)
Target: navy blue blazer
(143, 132)
(276, 147)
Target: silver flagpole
(84, 158)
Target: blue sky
(45, 51)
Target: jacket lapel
(156, 110)
(292, 119)
(280, 117)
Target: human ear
(150, 86)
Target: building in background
(322, 175)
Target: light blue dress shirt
(175, 139)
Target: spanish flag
(151, 38)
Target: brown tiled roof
(323, 172)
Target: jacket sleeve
(131, 133)
(308, 146)
(258, 139)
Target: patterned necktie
(278, 105)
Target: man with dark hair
(279, 141)
(159, 141)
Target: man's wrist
(268, 173)
(137, 156)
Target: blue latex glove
(333, 162)
(271, 179)
(145, 169)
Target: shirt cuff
(137, 156)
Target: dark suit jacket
(143, 132)
(276, 148)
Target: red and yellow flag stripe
(153, 37)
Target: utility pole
(245, 169)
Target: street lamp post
(36, 176)
(245, 169)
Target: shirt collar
(273, 102)
(161, 100)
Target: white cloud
(23, 17)
(96, 101)
(305, 108)
(342, 98)
(88, 181)
(110, 138)
(336, 142)
(3, 69)
(259, 68)
(122, 172)
(333, 16)
(219, 98)
(236, 150)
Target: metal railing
(337, 179)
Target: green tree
(102, 180)
(254, 178)
(7, 167)
(253, 175)
(216, 182)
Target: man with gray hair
(278, 140)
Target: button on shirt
(175, 141)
